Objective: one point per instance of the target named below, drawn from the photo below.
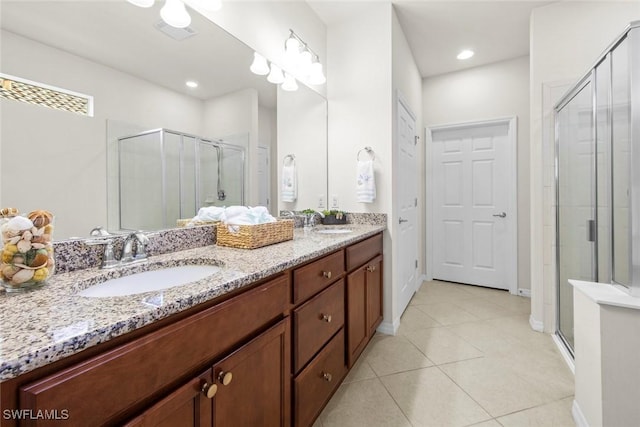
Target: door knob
(326, 274)
(401, 220)
(209, 390)
(501, 214)
(326, 318)
(225, 377)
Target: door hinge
(415, 202)
(416, 263)
(416, 138)
(591, 230)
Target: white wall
(359, 91)
(302, 132)
(482, 93)
(565, 40)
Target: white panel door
(471, 218)
(264, 176)
(407, 208)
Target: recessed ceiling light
(192, 84)
(465, 54)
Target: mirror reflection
(134, 70)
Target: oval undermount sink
(147, 281)
(335, 231)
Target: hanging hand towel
(289, 183)
(365, 184)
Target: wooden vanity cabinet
(364, 294)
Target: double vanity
(264, 338)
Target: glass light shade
(316, 76)
(289, 84)
(275, 76)
(292, 46)
(142, 3)
(175, 14)
(259, 65)
(304, 62)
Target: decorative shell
(40, 218)
(8, 271)
(22, 276)
(24, 246)
(17, 224)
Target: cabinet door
(374, 294)
(188, 406)
(254, 382)
(357, 330)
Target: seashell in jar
(22, 276)
(37, 245)
(8, 271)
(40, 218)
(13, 240)
(19, 223)
(18, 259)
(37, 231)
(38, 239)
(41, 258)
(24, 246)
(27, 235)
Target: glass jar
(27, 250)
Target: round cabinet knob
(326, 274)
(225, 377)
(326, 318)
(327, 376)
(209, 390)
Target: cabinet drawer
(362, 252)
(314, 277)
(315, 385)
(135, 371)
(316, 321)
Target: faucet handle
(141, 246)
(108, 256)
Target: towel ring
(291, 158)
(369, 151)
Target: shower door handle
(501, 214)
(591, 230)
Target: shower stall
(597, 130)
(164, 175)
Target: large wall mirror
(153, 149)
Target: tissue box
(255, 236)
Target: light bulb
(175, 14)
(316, 76)
(275, 76)
(289, 83)
(259, 65)
(292, 46)
(192, 84)
(465, 54)
(142, 3)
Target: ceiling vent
(175, 33)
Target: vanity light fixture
(465, 54)
(259, 65)
(301, 60)
(142, 3)
(174, 13)
(192, 84)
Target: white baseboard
(524, 293)
(578, 416)
(389, 328)
(536, 325)
(565, 353)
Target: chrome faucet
(141, 248)
(310, 219)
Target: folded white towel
(242, 215)
(209, 213)
(365, 183)
(289, 183)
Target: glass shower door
(576, 221)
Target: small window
(44, 95)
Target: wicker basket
(255, 236)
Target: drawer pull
(209, 390)
(326, 274)
(225, 377)
(327, 376)
(371, 268)
(326, 318)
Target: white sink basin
(149, 281)
(335, 231)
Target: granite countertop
(47, 324)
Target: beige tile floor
(463, 356)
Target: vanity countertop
(47, 324)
